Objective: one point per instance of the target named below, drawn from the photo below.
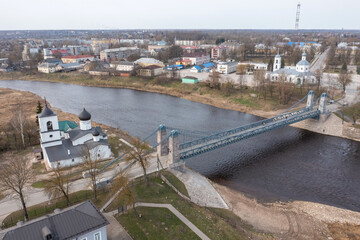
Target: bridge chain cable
(241, 128)
(146, 153)
(122, 155)
(287, 110)
(196, 132)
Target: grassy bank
(179, 185)
(155, 223)
(215, 223)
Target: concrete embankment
(200, 189)
(330, 125)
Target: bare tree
(91, 161)
(319, 76)
(126, 195)
(214, 81)
(242, 81)
(14, 176)
(59, 185)
(139, 153)
(18, 122)
(285, 89)
(344, 79)
(260, 79)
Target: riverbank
(241, 101)
(295, 219)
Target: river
(284, 164)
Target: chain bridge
(181, 144)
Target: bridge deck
(212, 143)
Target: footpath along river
(284, 164)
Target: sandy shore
(289, 220)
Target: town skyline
(139, 14)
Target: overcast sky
(183, 14)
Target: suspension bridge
(181, 144)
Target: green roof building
(64, 126)
(189, 79)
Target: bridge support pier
(310, 100)
(174, 150)
(162, 149)
(322, 103)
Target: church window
(51, 136)
(72, 160)
(277, 61)
(49, 126)
(99, 155)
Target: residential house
(46, 67)
(83, 221)
(188, 42)
(55, 52)
(218, 52)
(78, 59)
(151, 71)
(116, 54)
(79, 50)
(123, 66)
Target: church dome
(84, 115)
(303, 63)
(95, 132)
(46, 112)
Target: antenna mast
(297, 17)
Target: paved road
(320, 61)
(36, 196)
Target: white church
(298, 74)
(73, 146)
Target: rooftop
(78, 56)
(70, 223)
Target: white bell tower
(277, 62)
(49, 127)
(303, 57)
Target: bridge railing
(241, 136)
(240, 129)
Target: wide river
(284, 164)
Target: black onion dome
(84, 115)
(46, 112)
(95, 132)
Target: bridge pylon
(310, 100)
(162, 149)
(174, 149)
(322, 103)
